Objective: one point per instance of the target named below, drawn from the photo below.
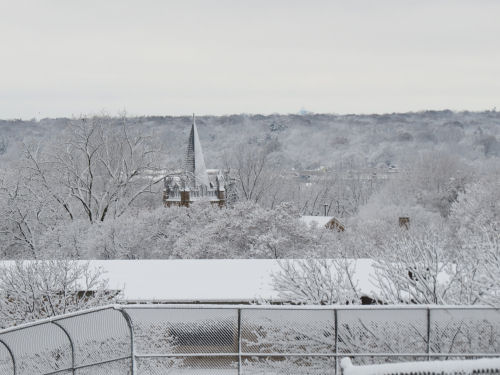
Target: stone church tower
(194, 182)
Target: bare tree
(253, 172)
(98, 170)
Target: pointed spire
(195, 162)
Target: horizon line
(302, 112)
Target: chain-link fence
(220, 339)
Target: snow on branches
(31, 290)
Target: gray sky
(68, 57)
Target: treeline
(303, 141)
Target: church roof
(195, 161)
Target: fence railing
(224, 339)
(462, 367)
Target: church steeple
(194, 183)
(195, 162)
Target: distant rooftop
(316, 220)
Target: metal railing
(463, 367)
(234, 339)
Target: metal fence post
(11, 355)
(70, 344)
(239, 341)
(336, 326)
(133, 366)
(428, 333)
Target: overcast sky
(69, 57)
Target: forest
(90, 187)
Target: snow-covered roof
(316, 220)
(191, 279)
(204, 280)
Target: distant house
(328, 222)
(404, 222)
(194, 182)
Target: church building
(194, 182)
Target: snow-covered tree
(25, 214)
(423, 265)
(475, 224)
(249, 231)
(417, 269)
(478, 204)
(93, 171)
(317, 281)
(31, 290)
